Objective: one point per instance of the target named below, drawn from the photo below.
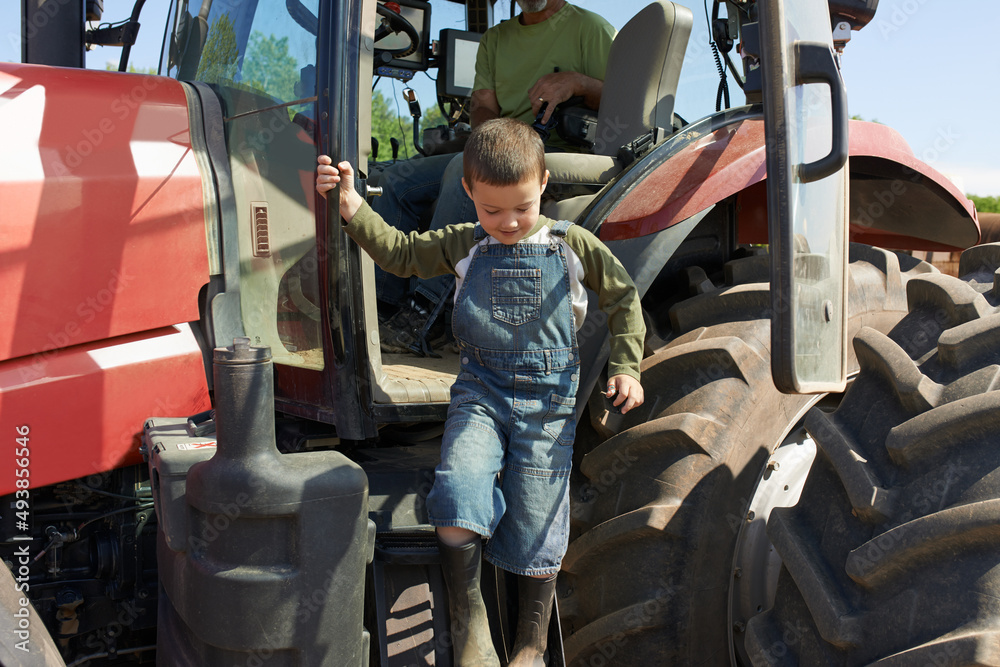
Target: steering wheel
(394, 23)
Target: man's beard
(532, 6)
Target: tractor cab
(289, 82)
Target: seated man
(553, 51)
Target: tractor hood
(103, 256)
(102, 203)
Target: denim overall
(507, 449)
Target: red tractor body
(104, 256)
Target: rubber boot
(533, 616)
(470, 629)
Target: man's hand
(328, 177)
(630, 394)
(558, 87)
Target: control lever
(544, 129)
(612, 408)
(413, 101)
(394, 142)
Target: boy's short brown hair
(503, 151)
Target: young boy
(506, 453)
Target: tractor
(813, 478)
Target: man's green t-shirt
(512, 57)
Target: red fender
(897, 200)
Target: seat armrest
(581, 168)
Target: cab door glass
(260, 58)
(806, 136)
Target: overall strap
(560, 227)
(557, 233)
(479, 233)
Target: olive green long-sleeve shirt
(450, 250)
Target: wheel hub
(756, 564)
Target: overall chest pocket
(517, 295)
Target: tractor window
(805, 120)
(260, 58)
(264, 49)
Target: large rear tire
(646, 578)
(892, 554)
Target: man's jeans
(409, 188)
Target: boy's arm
(424, 255)
(617, 297)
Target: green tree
(220, 55)
(113, 67)
(387, 123)
(986, 204)
(268, 67)
(432, 117)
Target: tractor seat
(640, 84)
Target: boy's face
(507, 212)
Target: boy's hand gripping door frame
(805, 124)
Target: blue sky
(924, 67)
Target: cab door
(805, 121)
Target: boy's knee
(454, 536)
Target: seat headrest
(640, 82)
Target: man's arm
(484, 106)
(587, 81)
